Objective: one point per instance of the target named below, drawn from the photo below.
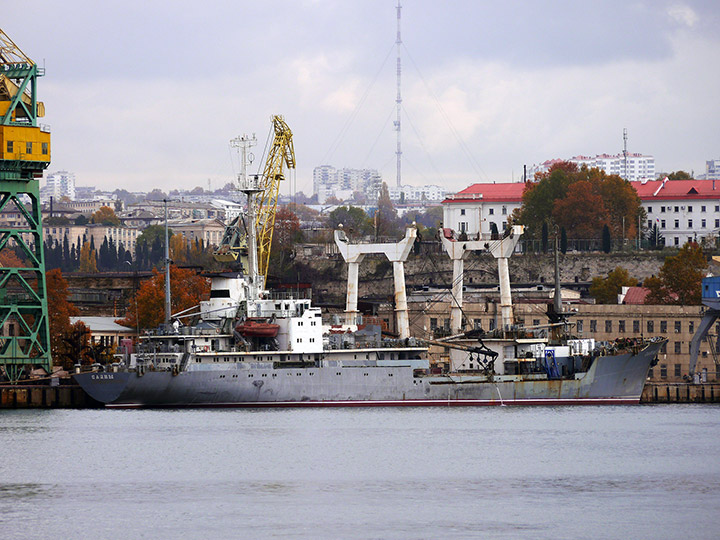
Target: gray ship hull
(615, 379)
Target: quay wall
(659, 392)
(45, 397)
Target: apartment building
(633, 167)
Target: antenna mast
(398, 100)
(625, 152)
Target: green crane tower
(24, 154)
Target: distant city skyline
(148, 95)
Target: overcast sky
(148, 94)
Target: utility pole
(398, 99)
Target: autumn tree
(88, 259)
(287, 230)
(605, 290)
(582, 200)
(386, 218)
(178, 249)
(582, 210)
(187, 289)
(9, 259)
(59, 312)
(105, 216)
(680, 279)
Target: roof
(504, 192)
(635, 295)
(677, 189)
(101, 324)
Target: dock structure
(501, 248)
(397, 253)
(24, 155)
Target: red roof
(677, 189)
(636, 295)
(505, 192)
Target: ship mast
(167, 269)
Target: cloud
(683, 14)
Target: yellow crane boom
(280, 155)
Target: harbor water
(496, 472)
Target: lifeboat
(254, 327)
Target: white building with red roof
(684, 210)
(476, 208)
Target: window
(579, 326)
(504, 211)
(677, 241)
(703, 224)
(491, 324)
(677, 370)
(28, 147)
(689, 223)
(662, 209)
(650, 223)
(608, 326)
(45, 148)
(663, 371)
(433, 323)
(651, 327)
(663, 327)
(10, 146)
(691, 327)
(621, 326)
(677, 223)
(678, 327)
(636, 327)
(662, 224)
(677, 209)
(477, 324)
(650, 373)
(717, 223)
(462, 211)
(649, 209)
(491, 211)
(689, 208)
(677, 347)
(702, 208)
(593, 326)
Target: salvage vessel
(250, 347)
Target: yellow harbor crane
(281, 155)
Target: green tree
(606, 239)
(679, 175)
(605, 290)
(354, 220)
(680, 279)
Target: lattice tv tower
(398, 99)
